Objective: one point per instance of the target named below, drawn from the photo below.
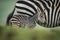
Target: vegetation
(16, 33)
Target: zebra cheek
(42, 20)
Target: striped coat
(48, 11)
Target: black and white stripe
(23, 21)
(50, 8)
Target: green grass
(16, 33)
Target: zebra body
(47, 10)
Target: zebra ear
(38, 11)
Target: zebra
(23, 21)
(48, 11)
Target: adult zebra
(49, 11)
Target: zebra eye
(41, 15)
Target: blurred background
(6, 6)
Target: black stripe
(45, 16)
(15, 16)
(13, 20)
(26, 3)
(38, 5)
(56, 12)
(54, 1)
(57, 2)
(57, 18)
(51, 0)
(25, 9)
(52, 14)
(48, 3)
(24, 13)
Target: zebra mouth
(42, 24)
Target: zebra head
(41, 17)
